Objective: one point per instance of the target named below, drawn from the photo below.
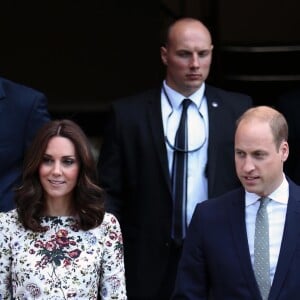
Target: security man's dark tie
(179, 177)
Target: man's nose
(195, 61)
(248, 164)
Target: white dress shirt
(276, 213)
(197, 135)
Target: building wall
(85, 54)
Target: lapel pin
(214, 104)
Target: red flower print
(50, 246)
(62, 241)
(75, 253)
(113, 235)
(62, 233)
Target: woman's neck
(59, 208)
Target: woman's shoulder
(9, 219)
(9, 215)
(110, 220)
(108, 226)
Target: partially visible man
(288, 105)
(137, 160)
(23, 111)
(227, 252)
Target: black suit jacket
(288, 104)
(133, 168)
(216, 253)
(22, 112)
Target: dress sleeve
(5, 258)
(112, 280)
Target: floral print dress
(63, 262)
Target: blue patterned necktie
(261, 264)
(179, 177)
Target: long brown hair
(88, 196)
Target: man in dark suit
(135, 163)
(222, 247)
(22, 112)
(288, 105)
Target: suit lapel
(289, 241)
(157, 132)
(239, 232)
(214, 109)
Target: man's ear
(163, 55)
(284, 151)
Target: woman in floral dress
(59, 243)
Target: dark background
(84, 54)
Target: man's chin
(251, 188)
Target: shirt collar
(176, 98)
(280, 195)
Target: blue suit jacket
(216, 253)
(22, 112)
